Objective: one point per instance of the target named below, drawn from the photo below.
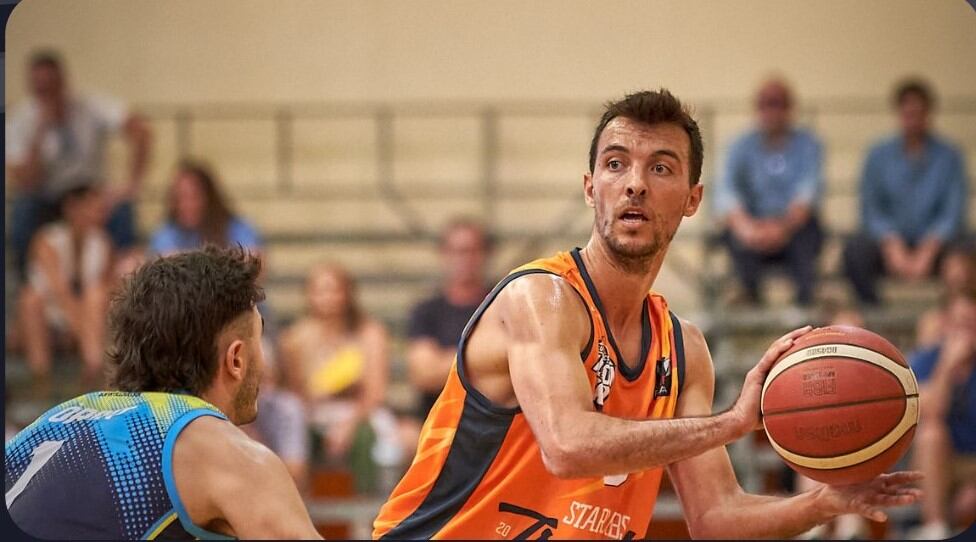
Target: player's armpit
(232, 484)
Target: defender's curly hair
(166, 318)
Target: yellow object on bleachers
(338, 373)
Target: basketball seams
(836, 405)
(908, 420)
(890, 428)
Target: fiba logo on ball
(819, 381)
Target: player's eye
(613, 164)
(661, 169)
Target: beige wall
(287, 50)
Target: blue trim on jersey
(170, 481)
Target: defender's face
(246, 400)
(640, 187)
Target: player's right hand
(747, 407)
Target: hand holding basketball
(868, 498)
(747, 407)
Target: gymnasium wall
(303, 50)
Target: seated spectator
(69, 269)
(913, 200)
(57, 137)
(338, 360)
(957, 274)
(435, 324)
(199, 213)
(768, 197)
(945, 441)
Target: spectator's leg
(801, 255)
(91, 334)
(863, 265)
(28, 213)
(36, 337)
(932, 455)
(748, 266)
(121, 226)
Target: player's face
(640, 188)
(246, 399)
(189, 200)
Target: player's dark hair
(650, 107)
(166, 318)
(914, 87)
(46, 58)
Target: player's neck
(621, 287)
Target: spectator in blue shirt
(913, 199)
(945, 441)
(768, 197)
(199, 213)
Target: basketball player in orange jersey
(574, 386)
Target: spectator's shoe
(929, 531)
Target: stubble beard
(245, 401)
(635, 257)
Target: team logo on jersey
(662, 386)
(605, 371)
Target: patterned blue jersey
(100, 467)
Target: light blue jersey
(100, 467)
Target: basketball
(841, 405)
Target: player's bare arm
(544, 324)
(234, 485)
(715, 504)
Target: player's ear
(588, 189)
(234, 362)
(694, 199)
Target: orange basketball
(841, 405)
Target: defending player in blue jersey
(161, 456)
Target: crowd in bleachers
(73, 238)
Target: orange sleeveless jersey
(478, 472)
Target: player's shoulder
(691, 334)
(539, 288)
(222, 445)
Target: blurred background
(392, 160)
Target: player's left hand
(868, 499)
